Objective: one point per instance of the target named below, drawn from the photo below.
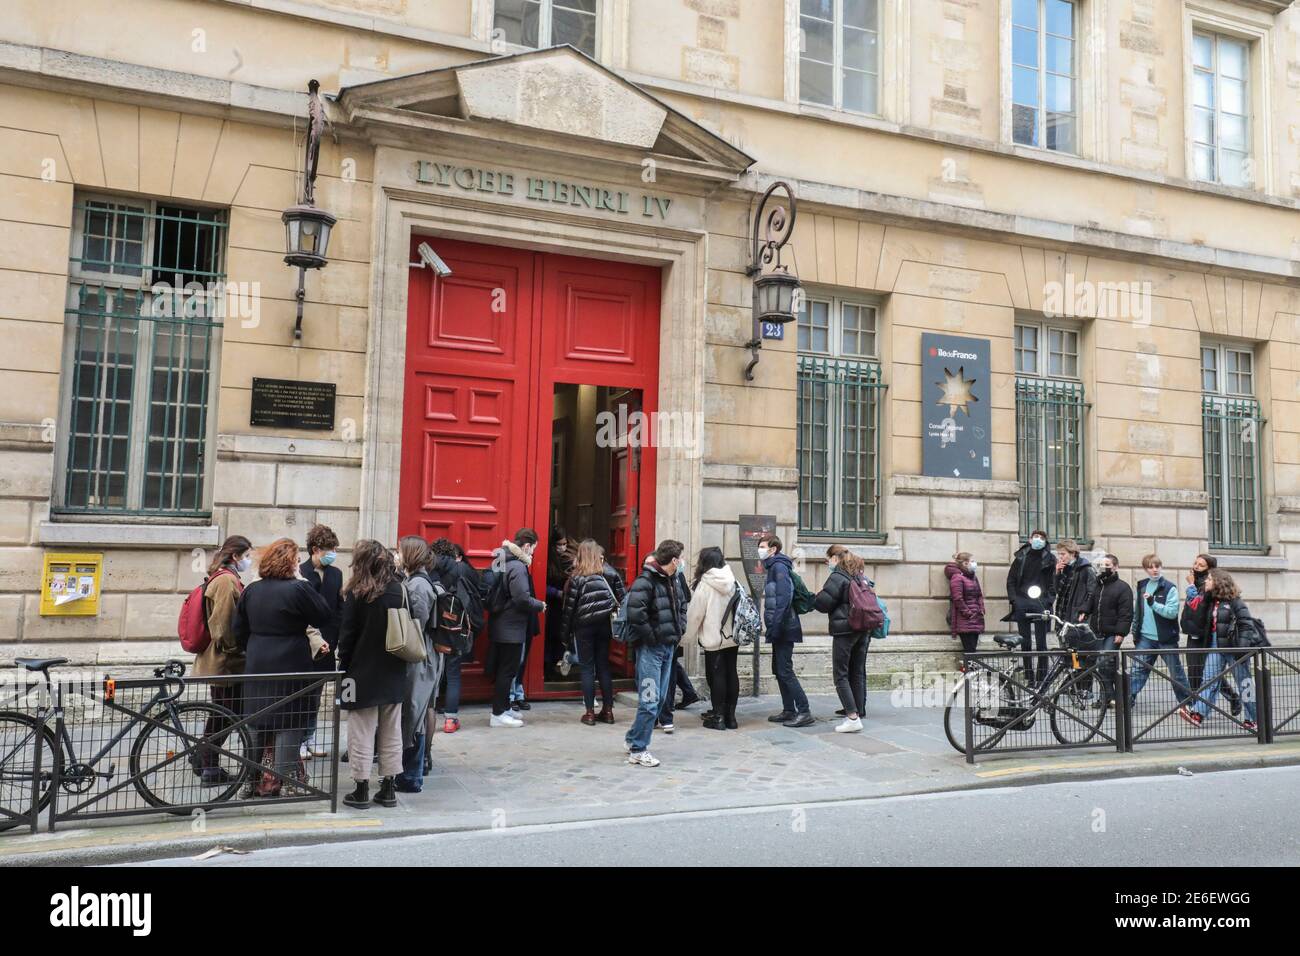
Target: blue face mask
(1038, 544)
(328, 557)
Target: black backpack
(1248, 638)
(450, 622)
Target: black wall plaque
(956, 411)
(280, 403)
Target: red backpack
(193, 623)
(865, 613)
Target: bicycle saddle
(39, 663)
(1006, 640)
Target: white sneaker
(304, 752)
(504, 720)
(315, 749)
(851, 725)
(642, 759)
(667, 728)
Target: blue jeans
(793, 699)
(1241, 673)
(1173, 662)
(412, 774)
(517, 688)
(654, 681)
(451, 697)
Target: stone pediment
(556, 92)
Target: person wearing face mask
(848, 647)
(222, 656)
(965, 600)
(319, 571)
(512, 621)
(1075, 583)
(1196, 612)
(1033, 566)
(1155, 627)
(1112, 619)
(656, 619)
(783, 632)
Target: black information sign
(956, 413)
(753, 527)
(280, 403)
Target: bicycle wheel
(1079, 706)
(166, 782)
(992, 696)
(18, 736)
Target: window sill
(114, 535)
(1259, 561)
(873, 552)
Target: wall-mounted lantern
(776, 293)
(306, 228)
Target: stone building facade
(1104, 190)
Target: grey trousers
(363, 724)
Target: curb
(143, 846)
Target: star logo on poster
(956, 390)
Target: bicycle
(170, 732)
(1076, 708)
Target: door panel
(485, 348)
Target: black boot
(360, 797)
(714, 722)
(730, 720)
(387, 795)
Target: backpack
(1254, 636)
(492, 586)
(865, 613)
(192, 625)
(746, 622)
(802, 599)
(450, 622)
(882, 632)
(619, 629)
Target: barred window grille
(1230, 430)
(146, 301)
(838, 445)
(1049, 457)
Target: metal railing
(112, 748)
(1012, 701)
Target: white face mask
(763, 553)
(243, 564)
(974, 566)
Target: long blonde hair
(590, 559)
(851, 563)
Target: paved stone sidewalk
(556, 769)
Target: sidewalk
(555, 770)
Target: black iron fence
(1011, 701)
(81, 745)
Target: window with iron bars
(146, 300)
(838, 434)
(1230, 438)
(1050, 412)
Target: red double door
(485, 348)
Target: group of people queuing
(1208, 610)
(301, 617)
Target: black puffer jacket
(833, 600)
(1030, 567)
(1222, 614)
(1195, 610)
(590, 597)
(1076, 591)
(656, 606)
(1113, 614)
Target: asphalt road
(1232, 818)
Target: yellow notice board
(70, 584)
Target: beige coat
(222, 656)
(708, 604)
